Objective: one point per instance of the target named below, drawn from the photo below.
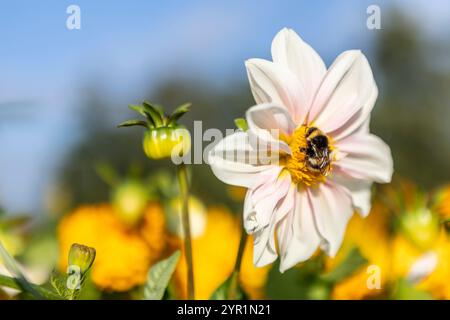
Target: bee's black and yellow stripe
(317, 152)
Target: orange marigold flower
(123, 255)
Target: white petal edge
(305, 238)
(332, 206)
(359, 122)
(264, 251)
(368, 158)
(234, 161)
(260, 203)
(267, 124)
(289, 50)
(345, 90)
(361, 192)
(274, 83)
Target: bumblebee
(317, 151)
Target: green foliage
(155, 116)
(300, 282)
(58, 283)
(352, 262)
(178, 113)
(134, 122)
(19, 281)
(231, 284)
(142, 111)
(12, 266)
(404, 290)
(68, 287)
(241, 123)
(159, 276)
(306, 281)
(14, 283)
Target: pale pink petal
(273, 83)
(347, 87)
(285, 232)
(264, 250)
(368, 157)
(234, 161)
(361, 192)
(332, 206)
(260, 203)
(289, 50)
(267, 124)
(305, 238)
(270, 117)
(359, 122)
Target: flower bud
(421, 226)
(81, 256)
(164, 137)
(129, 201)
(163, 142)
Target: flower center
(311, 157)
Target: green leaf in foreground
(13, 268)
(14, 284)
(59, 284)
(159, 276)
(223, 291)
(352, 262)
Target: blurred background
(62, 92)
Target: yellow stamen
(296, 162)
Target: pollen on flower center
(310, 159)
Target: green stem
(234, 282)
(14, 283)
(184, 187)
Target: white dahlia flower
(307, 158)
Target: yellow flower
(214, 255)
(443, 202)
(153, 230)
(370, 236)
(405, 254)
(236, 193)
(123, 255)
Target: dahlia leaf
(159, 276)
(13, 283)
(13, 268)
(231, 284)
(352, 262)
(58, 283)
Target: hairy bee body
(317, 151)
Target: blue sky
(127, 44)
